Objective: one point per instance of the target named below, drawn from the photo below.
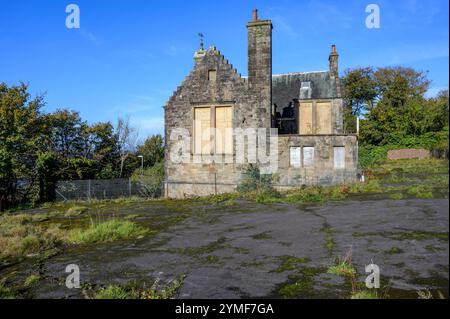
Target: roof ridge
(299, 73)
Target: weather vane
(201, 40)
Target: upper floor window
(315, 118)
(212, 75)
(213, 130)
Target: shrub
(151, 180)
(260, 186)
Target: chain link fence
(101, 189)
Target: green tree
(21, 138)
(47, 166)
(359, 94)
(152, 150)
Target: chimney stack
(255, 14)
(260, 63)
(334, 61)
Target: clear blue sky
(129, 55)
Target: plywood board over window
(224, 133)
(308, 156)
(202, 132)
(295, 157)
(339, 157)
(323, 118)
(306, 122)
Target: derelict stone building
(306, 108)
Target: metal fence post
(89, 190)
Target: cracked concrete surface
(235, 253)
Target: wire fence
(101, 189)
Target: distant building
(305, 107)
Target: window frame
(213, 126)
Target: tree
(21, 138)
(47, 166)
(126, 139)
(152, 150)
(359, 94)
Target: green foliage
(5, 292)
(151, 180)
(112, 292)
(129, 292)
(152, 150)
(47, 166)
(421, 191)
(396, 112)
(32, 280)
(257, 184)
(365, 294)
(108, 231)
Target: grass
(32, 280)
(202, 250)
(22, 235)
(396, 196)
(329, 241)
(31, 235)
(296, 289)
(109, 231)
(421, 191)
(411, 235)
(289, 263)
(394, 251)
(120, 292)
(365, 294)
(76, 210)
(5, 292)
(262, 236)
(342, 268)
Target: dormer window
(212, 75)
(305, 90)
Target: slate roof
(286, 87)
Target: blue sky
(129, 56)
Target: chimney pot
(333, 48)
(255, 14)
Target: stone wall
(323, 171)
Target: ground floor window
(308, 156)
(339, 157)
(295, 157)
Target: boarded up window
(323, 118)
(212, 75)
(295, 157)
(339, 157)
(308, 156)
(202, 132)
(224, 133)
(306, 124)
